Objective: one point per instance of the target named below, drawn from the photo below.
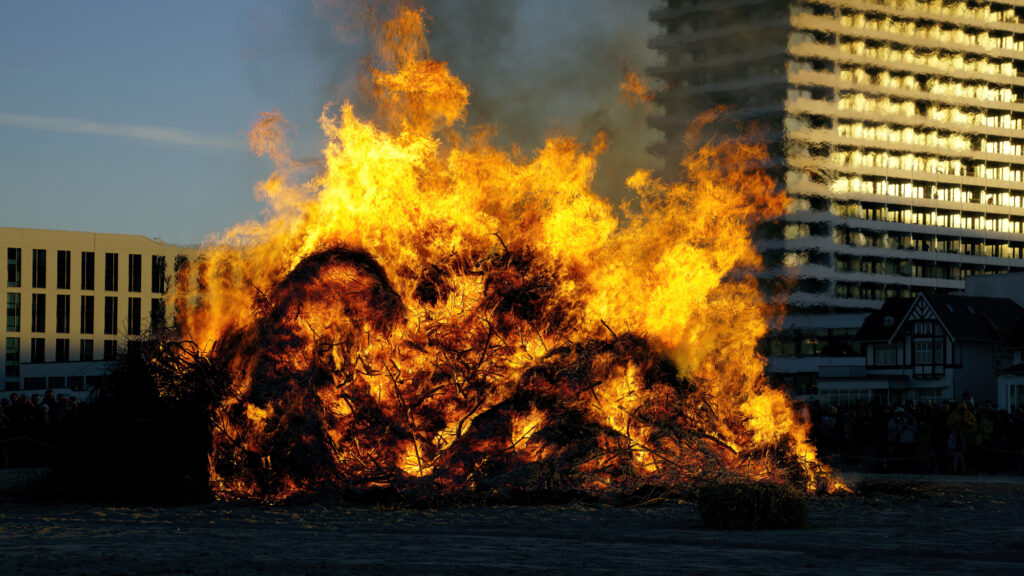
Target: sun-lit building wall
(73, 300)
(897, 126)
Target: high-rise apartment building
(73, 300)
(896, 128)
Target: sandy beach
(895, 525)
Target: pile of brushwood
(347, 404)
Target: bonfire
(432, 316)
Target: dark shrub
(144, 436)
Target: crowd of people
(31, 425)
(948, 437)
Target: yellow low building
(75, 300)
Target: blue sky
(131, 116)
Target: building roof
(964, 317)
(976, 318)
(876, 327)
(1015, 339)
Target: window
(157, 315)
(63, 269)
(14, 267)
(110, 273)
(885, 355)
(63, 350)
(39, 312)
(110, 315)
(38, 350)
(159, 275)
(13, 312)
(85, 350)
(63, 313)
(928, 352)
(134, 316)
(39, 268)
(88, 313)
(135, 272)
(88, 270)
(12, 364)
(110, 349)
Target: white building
(895, 127)
(73, 300)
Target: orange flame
(424, 286)
(635, 89)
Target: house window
(14, 267)
(159, 274)
(885, 355)
(85, 350)
(135, 272)
(928, 352)
(39, 312)
(63, 313)
(13, 312)
(923, 352)
(88, 313)
(110, 315)
(12, 363)
(38, 350)
(110, 273)
(38, 268)
(110, 349)
(63, 269)
(63, 350)
(88, 270)
(134, 316)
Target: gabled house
(931, 347)
(1010, 383)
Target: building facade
(895, 127)
(74, 300)
(933, 347)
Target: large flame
(433, 313)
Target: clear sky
(131, 116)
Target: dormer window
(889, 321)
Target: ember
(434, 316)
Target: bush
(145, 434)
(751, 506)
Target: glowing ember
(431, 315)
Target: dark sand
(903, 526)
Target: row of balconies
(876, 29)
(982, 13)
(879, 220)
(847, 158)
(916, 193)
(962, 13)
(909, 236)
(983, 40)
(865, 135)
(806, 45)
(860, 102)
